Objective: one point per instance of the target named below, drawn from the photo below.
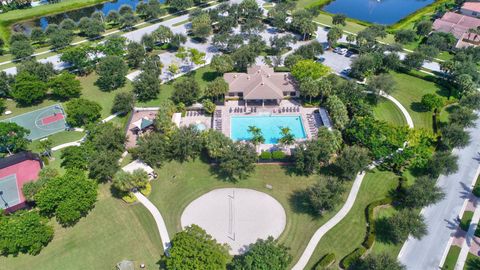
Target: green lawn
(472, 263)
(452, 258)
(179, 184)
(381, 246)
(350, 232)
(386, 110)
(58, 138)
(409, 91)
(112, 231)
(466, 220)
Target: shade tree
(263, 254)
(186, 91)
(338, 112)
(129, 181)
(201, 249)
(237, 161)
(185, 144)
(82, 112)
(65, 86)
(28, 89)
(404, 223)
(351, 161)
(422, 193)
(123, 103)
(111, 72)
(24, 232)
(68, 197)
(13, 138)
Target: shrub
(325, 261)
(369, 212)
(476, 191)
(129, 197)
(355, 255)
(278, 155)
(265, 155)
(147, 189)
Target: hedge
(265, 155)
(325, 261)
(351, 258)
(278, 155)
(369, 213)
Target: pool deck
(310, 120)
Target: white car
(343, 51)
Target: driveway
(442, 218)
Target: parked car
(320, 59)
(337, 50)
(343, 51)
(346, 71)
(349, 54)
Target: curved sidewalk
(404, 111)
(162, 229)
(312, 244)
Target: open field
(111, 232)
(350, 232)
(409, 91)
(386, 110)
(57, 139)
(179, 184)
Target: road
(442, 218)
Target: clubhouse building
(261, 85)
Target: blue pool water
(376, 11)
(270, 126)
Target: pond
(376, 11)
(77, 14)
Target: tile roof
(473, 6)
(260, 82)
(456, 24)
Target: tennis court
(9, 193)
(42, 122)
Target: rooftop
(473, 6)
(455, 23)
(260, 82)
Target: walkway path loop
(312, 244)
(162, 229)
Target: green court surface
(42, 122)
(9, 194)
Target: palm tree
(287, 137)
(257, 136)
(46, 146)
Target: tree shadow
(473, 263)
(300, 204)
(418, 107)
(210, 76)
(383, 231)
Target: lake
(382, 11)
(77, 14)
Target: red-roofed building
(458, 25)
(15, 171)
(471, 9)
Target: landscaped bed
(181, 183)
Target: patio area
(312, 118)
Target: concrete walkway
(399, 105)
(312, 244)
(469, 238)
(65, 145)
(162, 229)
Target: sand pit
(236, 216)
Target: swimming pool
(270, 126)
